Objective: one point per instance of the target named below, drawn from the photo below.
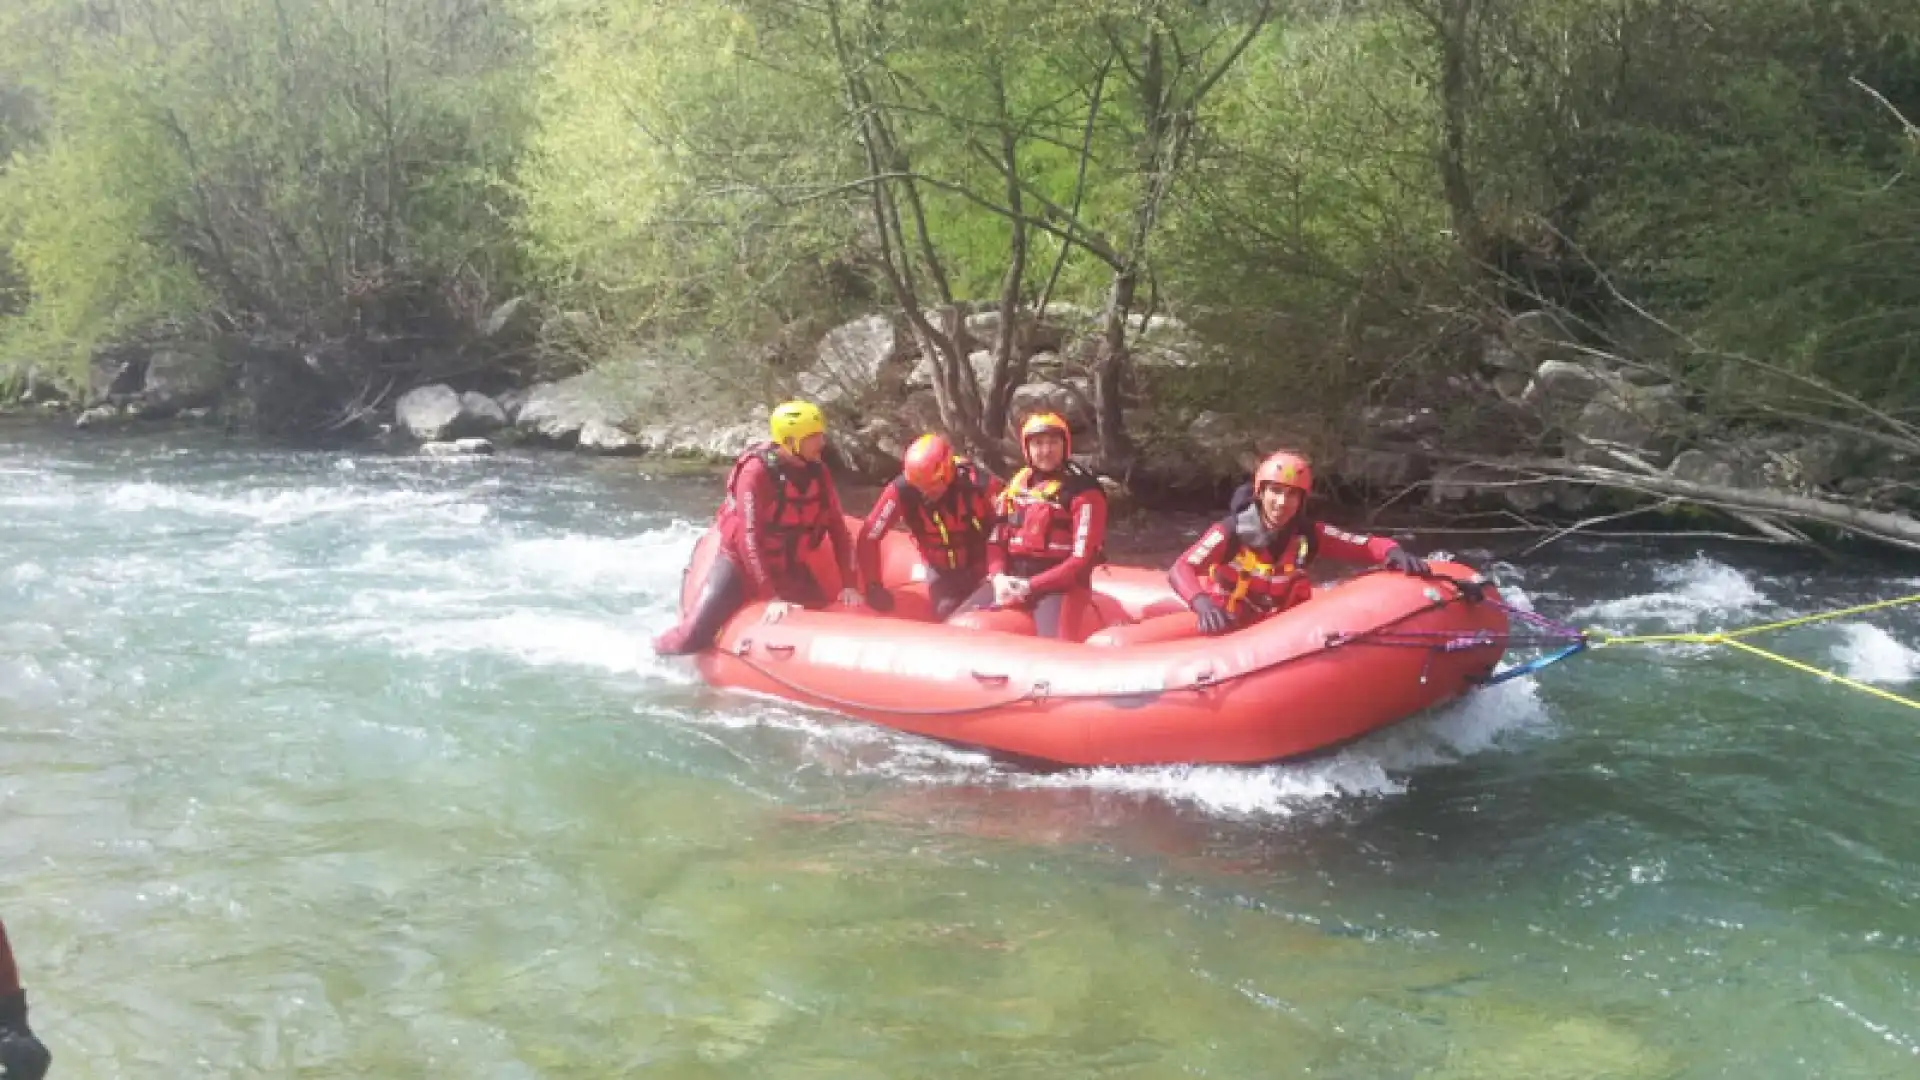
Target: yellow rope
(1858, 609)
(1884, 695)
(1600, 638)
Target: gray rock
(510, 403)
(1698, 466)
(513, 315)
(1500, 356)
(602, 437)
(1166, 343)
(555, 412)
(428, 413)
(1383, 421)
(97, 416)
(436, 414)
(875, 448)
(1642, 419)
(1459, 483)
(1571, 497)
(1071, 401)
(1541, 336)
(980, 360)
(176, 379)
(1560, 389)
(1816, 461)
(458, 448)
(481, 414)
(851, 360)
(1031, 336)
(921, 411)
(1642, 375)
(1382, 469)
(116, 371)
(1527, 498)
(1511, 385)
(1217, 443)
(37, 387)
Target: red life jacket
(800, 504)
(1039, 516)
(1266, 579)
(952, 533)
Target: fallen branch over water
(1894, 530)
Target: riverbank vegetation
(1344, 203)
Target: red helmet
(928, 464)
(1286, 469)
(1041, 424)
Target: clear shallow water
(328, 765)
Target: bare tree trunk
(1451, 22)
(956, 393)
(1170, 98)
(1009, 361)
(1110, 367)
(1896, 530)
(1079, 184)
(1109, 371)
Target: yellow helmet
(792, 422)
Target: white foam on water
(570, 600)
(1872, 655)
(1373, 766)
(26, 573)
(651, 561)
(1698, 591)
(1516, 597)
(1279, 790)
(264, 507)
(538, 639)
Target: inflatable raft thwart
(1140, 687)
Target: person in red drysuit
(947, 504)
(1252, 564)
(1051, 533)
(22, 1055)
(780, 504)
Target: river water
(333, 765)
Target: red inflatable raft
(1144, 689)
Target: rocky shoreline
(1576, 420)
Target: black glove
(878, 598)
(22, 1057)
(1213, 618)
(1406, 562)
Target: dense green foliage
(1362, 182)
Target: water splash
(1698, 592)
(1869, 654)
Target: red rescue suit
(951, 534)
(22, 1054)
(1253, 572)
(776, 509)
(1052, 530)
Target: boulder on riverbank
(438, 413)
(1531, 424)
